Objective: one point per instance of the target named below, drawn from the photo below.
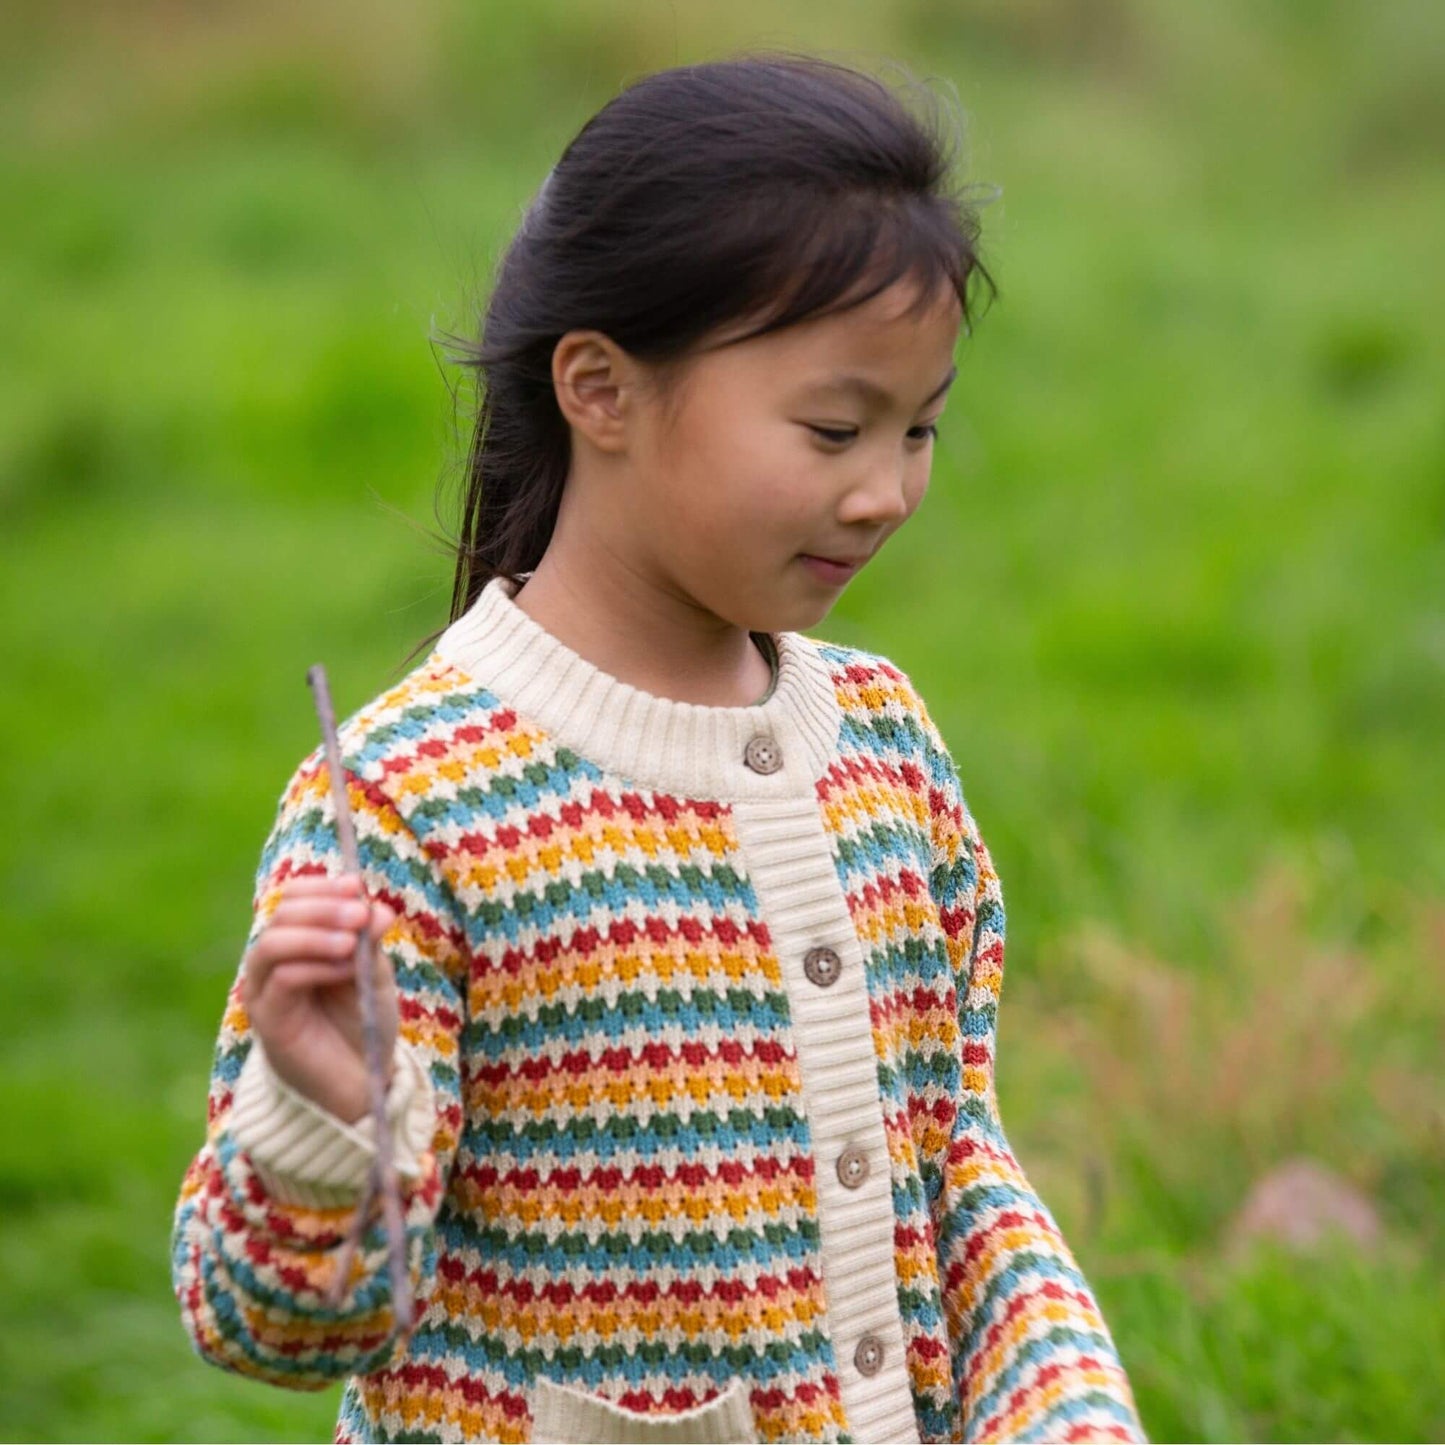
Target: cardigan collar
(682, 748)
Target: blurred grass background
(1175, 601)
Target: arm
(1032, 1356)
(267, 1202)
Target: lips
(828, 570)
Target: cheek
(916, 487)
(745, 482)
(916, 477)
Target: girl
(690, 948)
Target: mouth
(831, 569)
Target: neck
(649, 638)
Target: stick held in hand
(382, 1179)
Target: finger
(321, 911)
(302, 884)
(296, 975)
(318, 945)
(321, 915)
(281, 945)
(288, 977)
(285, 972)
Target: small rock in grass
(1304, 1205)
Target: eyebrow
(871, 391)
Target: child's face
(739, 484)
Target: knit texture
(695, 1090)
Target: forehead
(895, 344)
(894, 348)
(897, 328)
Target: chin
(789, 614)
(799, 617)
(816, 615)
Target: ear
(593, 379)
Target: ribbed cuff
(304, 1155)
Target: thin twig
(382, 1180)
(348, 1250)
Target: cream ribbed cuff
(304, 1155)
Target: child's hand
(299, 988)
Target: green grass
(1174, 599)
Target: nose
(885, 497)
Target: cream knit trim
(791, 865)
(305, 1155)
(563, 1413)
(683, 748)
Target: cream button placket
(762, 754)
(791, 858)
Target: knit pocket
(565, 1415)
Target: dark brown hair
(768, 186)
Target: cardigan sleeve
(1032, 1356)
(267, 1202)
(304, 1154)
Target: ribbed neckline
(682, 748)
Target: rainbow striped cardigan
(694, 1109)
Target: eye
(829, 434)
(838, 437)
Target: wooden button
(853, 1166)
(868, 1357)
(762, 754)
(822, 965)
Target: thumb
(382, 917)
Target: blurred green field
(1175, 599)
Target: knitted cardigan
(694, 1108)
